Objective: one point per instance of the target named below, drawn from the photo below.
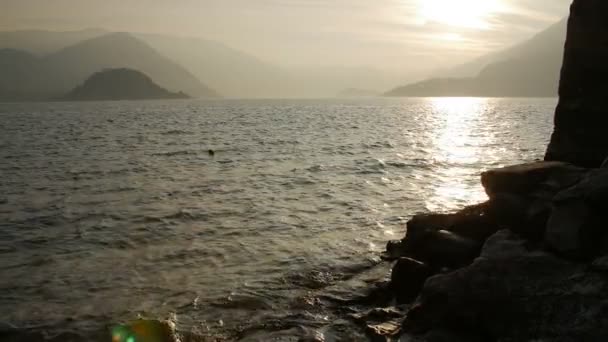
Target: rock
(441, 249)
(512, 294)
(579, 136)
(531, 178)
(605, 163)
(380, 324)
(567, 222)
(577, 226)
(600, 264)
(394, 250)
(383, 332)
(471, 222)
(407, 277)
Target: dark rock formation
(543, 261)
(120, 84)
(511, 293)
(527, 179)
(581, 117)
(407, 278)
(577, 226)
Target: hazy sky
(395, 34)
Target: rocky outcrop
(581, 117)
(512, 293)
(518, 267)
(577, 226)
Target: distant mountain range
(38, 65)
(230, 72)
(529, 69)
(120, 84)
(30, 77)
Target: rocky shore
(531, 263)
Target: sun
(459, 13)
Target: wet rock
(471, 222)
(442, 249)
(511, 293)
(530, 179)
(394, 250)
(577, 226)
(579, 136)
(407, 277)
(381, 324)
(383, 332)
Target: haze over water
(110, 210)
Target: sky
(387, 34)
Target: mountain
(26, 76)
(120, 84)
(232, 72)
(40, 42)
(73, 64)
(529, 69)
(549, 43)
(23, 76)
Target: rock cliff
(581, 117)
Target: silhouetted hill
(72, 65)
(120, 84)
(529, 69)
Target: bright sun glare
(459, 13)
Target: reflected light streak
(458, 152)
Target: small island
(120, 84)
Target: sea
(249, 220)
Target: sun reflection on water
(457, 138)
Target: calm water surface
(113, 210)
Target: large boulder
(578, 226)
(471, 222)
(581, 117)
(540, 179)
(511, 293)
(407, 277)
(442, 249)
